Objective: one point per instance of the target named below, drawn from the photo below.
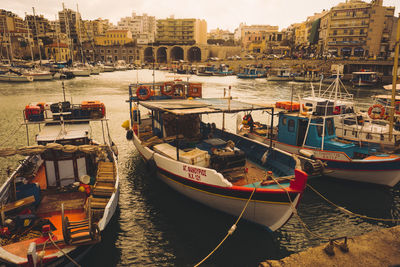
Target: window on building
(362, 31)
(345, 31)
(334, 14)
(335, 32)
(351, 32)
(108, 51)
(115, 51)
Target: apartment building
(181, 31)
(39, 26)
(142, 27)
(357, 28)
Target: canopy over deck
(201, 106)
(52, 132)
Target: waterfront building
(39, 26)
(96, 27)
(172, 31)
(57, 52)
(12, 28)
(114, 37)
(112, 53)
(70, 19)
(357, 28)
(256, 34)
(143, 28)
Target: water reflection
(157, 226)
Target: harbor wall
(380, 248)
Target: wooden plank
(18, 204)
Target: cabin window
(382, 137)
(368, 136)
(284, 121)
(291, 126)
(329, 127)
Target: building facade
(58, 52)
(356, 28)
(142, 27)
(114, 37)
(39, 26)
(181, 31)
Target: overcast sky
(225, 14)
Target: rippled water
(156, 226)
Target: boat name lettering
(194, 173)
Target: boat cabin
(319, 133)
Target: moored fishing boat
(280, 74)
(14, 77)
(64, 193)
(212, 166)
(313, 135)
(365, 78)
(252, 73)
(39, 75)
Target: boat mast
(395, 66)
(37, 36)
(79, 32)
(58, 38)
(9, 41)
(29, 37)
(67, 30)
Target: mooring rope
(6, 139)
(231, 230)
(65, 254)
(305, 226)
(344, 210)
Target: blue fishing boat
(252, 73)
(313, 134)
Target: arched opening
(176, 53)
(149, 54)
(194, 54)
(162, 55)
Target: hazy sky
(225, 14)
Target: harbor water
(156, 226)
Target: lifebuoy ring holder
(143, 96)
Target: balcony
(346, 42)
(341, 26)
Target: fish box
(324, 108)
(195, 156)
(33, 113)
(96, 108)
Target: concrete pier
(380, 248)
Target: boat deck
(250, 174)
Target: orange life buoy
(139, 91)
(165, 89)
(376, 116)
(194, 90)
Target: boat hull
(81, 73)
(22, 78)
(41, 77)
(385, 171)
(277, 78)
(271, 210)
